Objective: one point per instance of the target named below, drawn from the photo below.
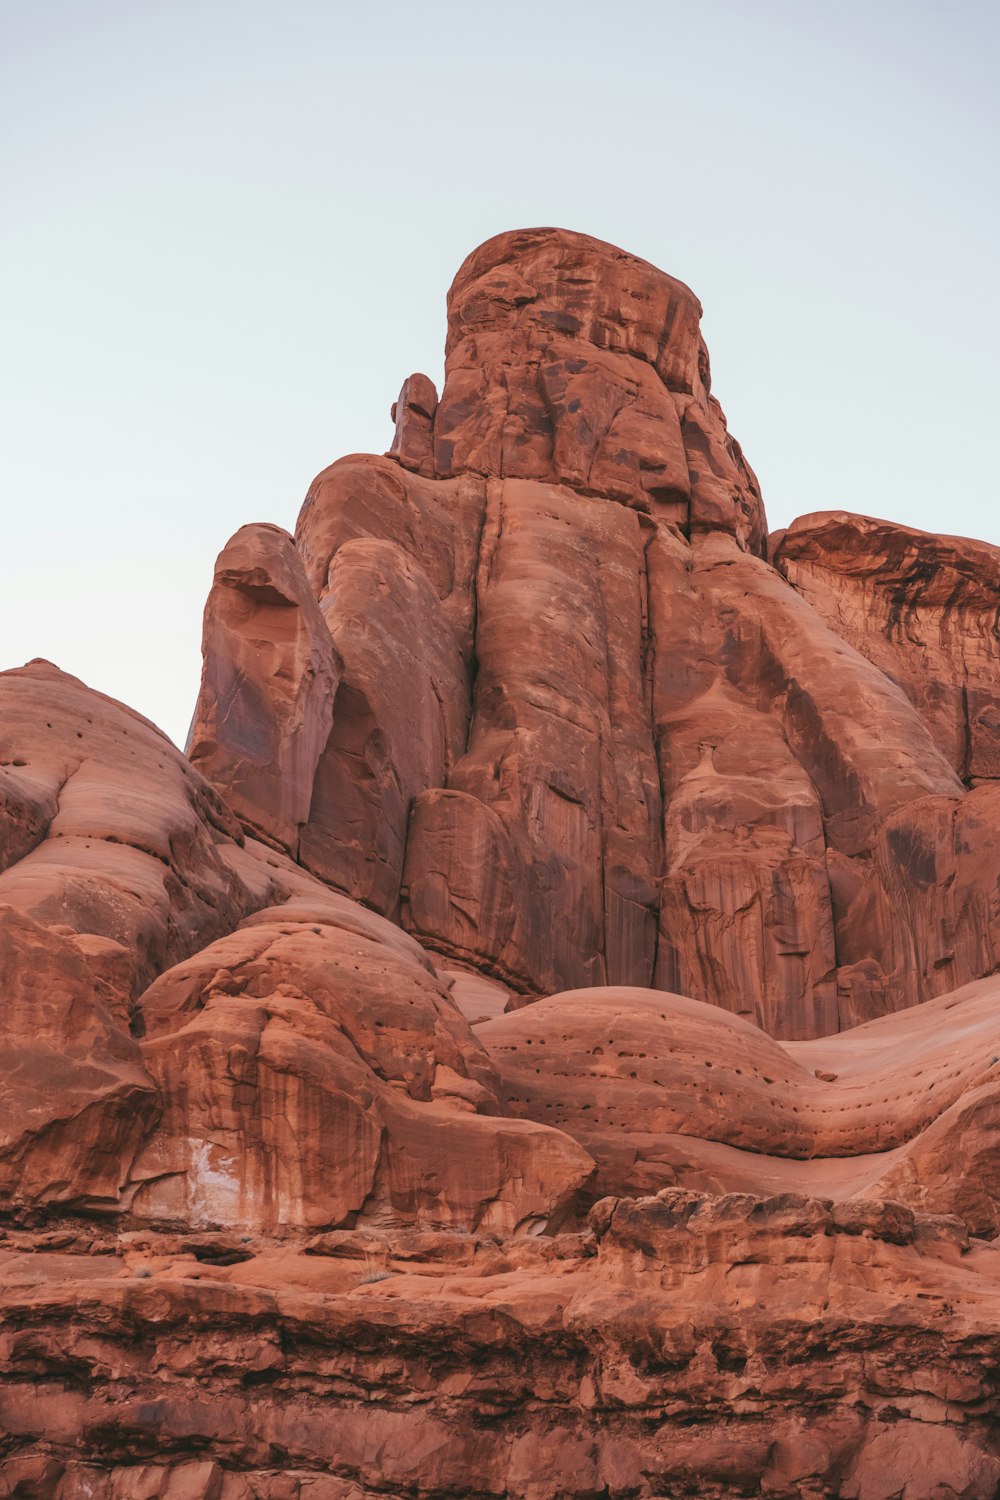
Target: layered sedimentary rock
(543, 1040)
(668, 1091)
(677, 1344)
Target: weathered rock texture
(665, 1091)
(677, 1345)
(925, 609)
(584, 732)
(196, 1032)
(545, 1039)
(268, 684)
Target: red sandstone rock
(305, 1069)
(400, 718)
(132, 844)
(436, 523)
(920, 920)
(877, 1112)
(679, 1342)
(559, 750)
(269, 676)
(290, 1058)
(559, 780)
(413, 414)
(677, 760)
(304, 1203)
(76, 1099)
(923, 609)
(478, 998)
(571, 361)
(583, 733)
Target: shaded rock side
(268, 680)
(924, 609)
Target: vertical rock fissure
(657, 739)
(473, 663)
(649, 671)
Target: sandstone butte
(543, 1039)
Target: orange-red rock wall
(575, 728)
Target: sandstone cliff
(584, 732)
(544, 1038)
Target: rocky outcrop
(560, 774)
(583, 731)
(572, 362)
(924, 609)
(76, 1099)
(726, 1346)
(312, 1077)
(392, 562)
(543, 1040)
(198, 1032)
(268, 682)
(274, 1217)
(504, 659)
(662, 1090)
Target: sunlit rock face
(579, 730)
(543, 1039)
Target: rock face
(665, 1091)
(544, 1038)
(923, 609)
(268, 683)
(197, 1032)
(584, 733)
(677, 1344)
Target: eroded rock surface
(269, 677)
(923, 608)
(544, 1041)
(583, 731)
(665, 1090)
(198, 1032)
(676, 1344)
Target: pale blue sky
(228, 228)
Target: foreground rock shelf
(676, 1344)
(543, 1039)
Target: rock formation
(585, 733)
(544, 1038)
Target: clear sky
(228, 228)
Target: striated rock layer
(544, 1039)
(677, 1345)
